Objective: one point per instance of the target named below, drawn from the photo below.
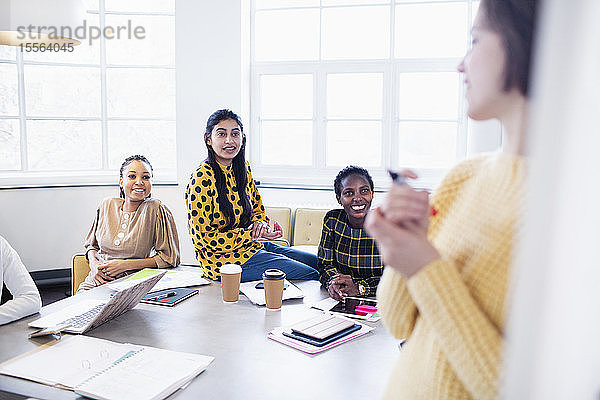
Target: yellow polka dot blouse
(213, 245)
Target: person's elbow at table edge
(26, 297)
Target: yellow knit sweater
(452, 311)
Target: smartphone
(348, 306)
(261, 285)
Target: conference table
(247, 364)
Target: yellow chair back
(79, 271)
(308, 224)
(283, 215)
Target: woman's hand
(112, 269)
(340, 286)
(99, 277)
(405, 205)
(261, 230)
(405, 246)
(258, 227)
(276, 233)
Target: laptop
(89, 314)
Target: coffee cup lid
(230, 269)
(273, 274)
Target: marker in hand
(397, 178)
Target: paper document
(257, 296)
(102, 369)
(172, 279)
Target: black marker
(397, 177)
(164, 296)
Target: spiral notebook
(101, 369)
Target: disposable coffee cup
(273, 280)
(230, 282)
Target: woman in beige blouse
(132, 232)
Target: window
(365, 82)
(71, 118)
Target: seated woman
(226, 217)
(349, 260)
(26, 298)
(131, 232)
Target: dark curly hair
(128, 160)
(347, 171)
(240, 171)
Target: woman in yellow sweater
(226, 217)
(445, 284)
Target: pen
(164, 296)
(397, 177)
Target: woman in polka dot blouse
(131, 232)
(226, 217)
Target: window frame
(23, 177)
(318, 175)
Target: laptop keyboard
(81, 320)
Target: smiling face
(226, 141)
(136, 181)
(356, 196)
(483, 68)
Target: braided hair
(128, 160)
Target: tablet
(348, 306)
(322, 326)
(322, 342)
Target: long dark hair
(239, 171)
(128, 160)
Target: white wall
(553, 343)
(48, 226)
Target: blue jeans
(295, 263)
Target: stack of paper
(257, 296)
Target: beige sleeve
(167, 240)
(91, 242)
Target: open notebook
(101, 369)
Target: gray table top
(247, 365)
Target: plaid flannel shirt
(349, 251)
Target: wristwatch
(362, 290)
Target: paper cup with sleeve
(273, 279)
(230, 282)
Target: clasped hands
(262, 230)
(399, 226)
(107, 271)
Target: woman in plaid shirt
(349, 261)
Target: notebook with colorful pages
(169, 297)
(102, 369)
